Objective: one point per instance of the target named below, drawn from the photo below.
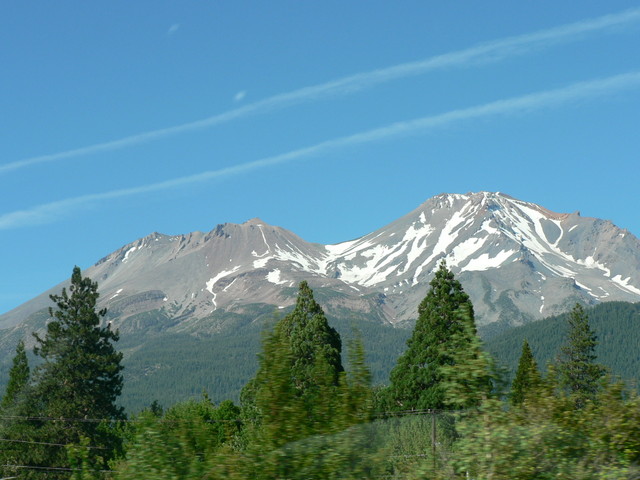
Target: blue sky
(330, 119)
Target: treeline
(445, 414)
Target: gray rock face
(518, 262)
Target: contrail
(484, 53)
(50, 212)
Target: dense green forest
(170, 367)
(176, 366)
(308, 407)
(616, 324)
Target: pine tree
(527, 377)
(416, 380)
(18, 377)
(77, 384)
(578, 373)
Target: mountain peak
(255, 221)
(517, 260)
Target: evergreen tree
(77, 385)
(416, 380)
(311, 339)
(578, 373)
(18, 377)
(299, 374)
(359, 394)
(305, 403)
(527, 377)
(469, 379)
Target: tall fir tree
(77, 384)
(312, 340)
(527, 378)
(470, 378)
(18, 377)
(299, 373)
(416, 380)
(305, 402)
(578, 373)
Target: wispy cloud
(239, 96)
(52, 212)
(484, 53)
(173, 29)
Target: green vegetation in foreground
(308, 414)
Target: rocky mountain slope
(517, 260)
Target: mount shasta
(518, 262)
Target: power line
(395, 413)
(59, 469)
(33, 442)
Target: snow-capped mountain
(517, 260)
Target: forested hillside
(616, 324)
(174, 367)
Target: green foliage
(77, 382)
(416, 380)
(295, 389)
(577, 370)
(18, 377)
(617, 325)
(81, 374)
(416, 441)
(470, 378)
(527, 379)
(309, 410)
(312, 341)
(356, 385)
(182, 444)
(175, 365)
(547, 438)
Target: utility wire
(33, 442)
(399, 413)
(63, 469)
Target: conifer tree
(527, 377)
(77, 384)
(311, 339)
(416, 380)
(18, 377)
(11, 427)
(578, 372)
(469, 380)
(299, 373)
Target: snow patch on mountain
(261, 263)
(590, 262)
(485, 262)
(625, 284)
(274, 277)
(128, 253)
(213, 280)
(116, 294)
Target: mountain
(191, 308)
(518, 261)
